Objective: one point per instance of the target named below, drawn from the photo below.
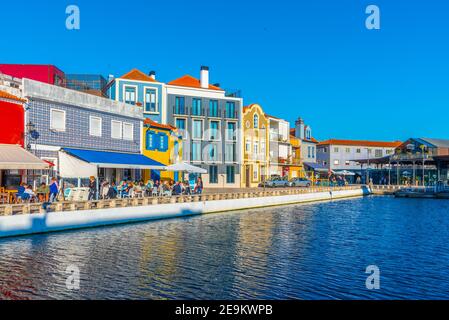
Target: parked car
(274, 182)
(300, 182)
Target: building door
(248, 176)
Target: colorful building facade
(44, 73)
(296, 169)
(256, 142)
(280, 151)
(84, 135)
(163, 144)
(210, 122)
(140, 89)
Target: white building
(280, 149)
(308, 142)
(209, 120)
(339, 155)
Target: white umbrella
(345, 173)
(182, 166)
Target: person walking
(92, 188)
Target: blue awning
(104, 159)
(316, 166)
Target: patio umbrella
(345, 173)
(182, 166)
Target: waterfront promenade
(32, 218)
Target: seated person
(177, 189)
(42, 192)
(20, 191)
(28, 194)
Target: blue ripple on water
(313, 251)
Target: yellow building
(296, 169)
(256, 143)
(161, 143)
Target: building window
(262, 149)
(163, 142)
(230, 110)
(358, 150)
(214, 130)
(180, 105)
(213, 152)
(213, 108)
(255, 172)
(197, 129)
(230, 152)
(348, 150)
(150, 100)
(196, 107)
(230, 174)
(313, 152)
(347, 162)
(336, 162)
(181, 124)
(336, 149)
(378, 153)
(57, 120)
(150, 140)
(230, 133)
(213, 174)
(196, 151)
(116, 129)
(309, 151)
(308, 134)
(95, 126)
(256, 148)
(130, 95)
(128, 131)
(248, 146)
(256, 121)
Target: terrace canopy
(316, 166)
(75, 163)
(14, 157)
(185, 167)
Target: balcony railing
(198, 112)
(230, 114)
(180, 110)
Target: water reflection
(316, 251)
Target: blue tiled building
(138, 88)
(67, 119)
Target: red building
(43, 73)
(12, 119)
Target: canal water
(313, 251)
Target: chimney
(153, 75)
(299, 128)
(204, 77)
(110, 78)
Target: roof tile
(189, 81)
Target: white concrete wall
(56, 221)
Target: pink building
(44, 73)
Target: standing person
(54, 189)
(92, 188)
(199, 185)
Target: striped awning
(14, 157)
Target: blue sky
(313, 59)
